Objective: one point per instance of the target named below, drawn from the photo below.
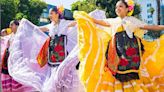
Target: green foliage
(107, 5)
(137, 10)
(20, 15)
(18, 9)
(83, 6)
(8, 11)
(35, 10)
(151, 10)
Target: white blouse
(62, 29)
(130, 24)
(58, 29)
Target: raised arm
(101, 22)
(44, 29)
(153, 27)
(72, 24)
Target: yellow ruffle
(153, 60)
(93, 41)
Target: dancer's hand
(43, 29)
(72, 24)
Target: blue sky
(65, 3)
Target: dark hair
(16, 22)
(55, 9)
(125, 3)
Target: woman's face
(121, 9)
(53, 16)
(13, 27)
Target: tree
(106, 5)
(8, 12)
(30, 9)
(18, 9)
(151, 10)
(83, 6)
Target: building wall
(145, 14)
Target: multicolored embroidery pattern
(57, 49)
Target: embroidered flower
(136, 59)
(58, 48)
(123, 62)
(53, 58)
(61, 53)
(131, 51)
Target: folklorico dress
(22, 62)
(58, 49)
(36, 57)
(119, 60)
(67, 68)
(8, 83)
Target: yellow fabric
(8, 30)
(153, 60)
(93, 41)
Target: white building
(146, 16)
(162, 12)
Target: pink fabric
(10, 85)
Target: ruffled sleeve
(132, 24)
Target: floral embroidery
(136, 59)
(53, 58)
(57, 49)
(123, 62)
(131, 51)
(61, 53)
(128, 51)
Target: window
(150, 22)
(149, 16)
(149, 5)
